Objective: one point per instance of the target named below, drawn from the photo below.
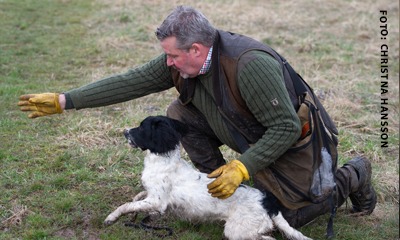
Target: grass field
(61, 175)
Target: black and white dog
(172, 184)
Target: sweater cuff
(68, 101)
(251, 167)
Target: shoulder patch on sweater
(274, 102)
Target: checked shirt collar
(207, 64)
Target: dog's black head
(158, 134)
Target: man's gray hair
(189, 26)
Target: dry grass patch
(17, 214)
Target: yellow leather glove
(229, 177)
(42, 104)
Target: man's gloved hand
(228, 179)
(42, 104)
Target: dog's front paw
(110, 220)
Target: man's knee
(185, 113)
(174, 110)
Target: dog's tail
(291, 233)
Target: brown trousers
(202, 146)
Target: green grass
(60, 176)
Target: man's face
(185, 61)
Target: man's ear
(197, 48)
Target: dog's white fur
(173, 184)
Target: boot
(364, 198)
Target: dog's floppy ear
(165, 133)
(159, 134)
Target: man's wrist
(62, 101)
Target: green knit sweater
(261, 86)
